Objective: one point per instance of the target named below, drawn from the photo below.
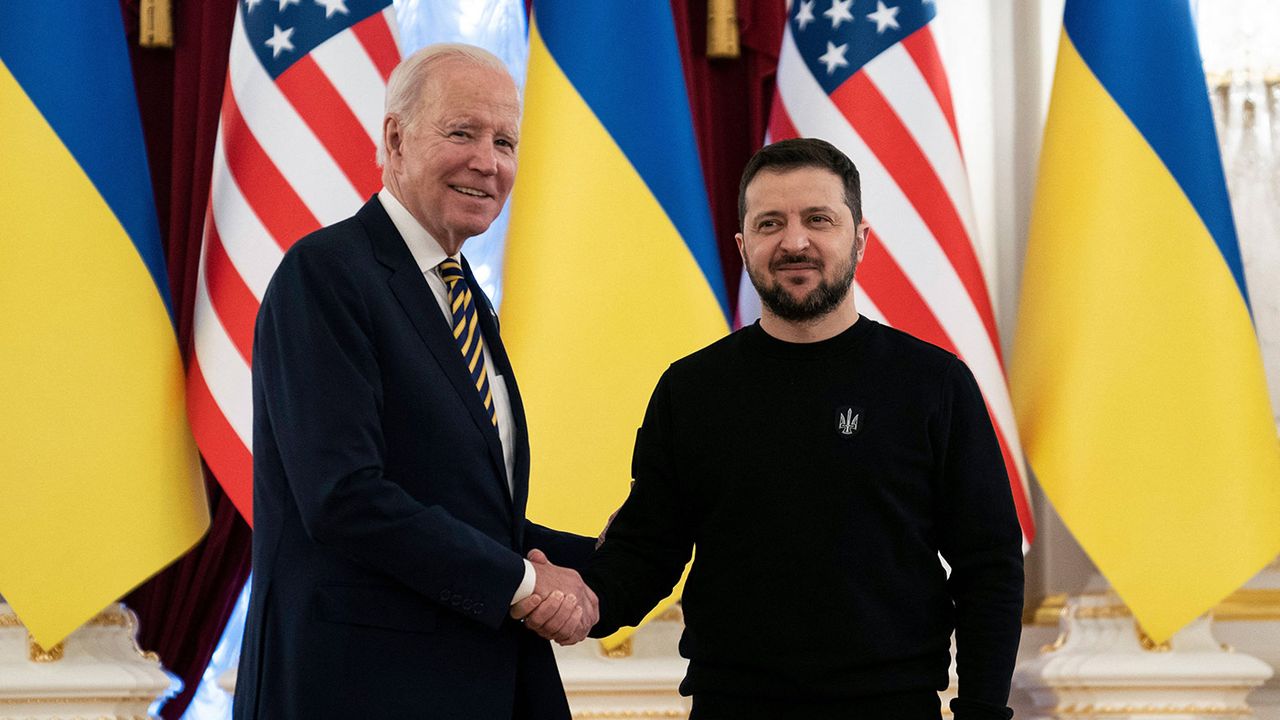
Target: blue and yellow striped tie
(467, 332)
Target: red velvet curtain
(730, 100)
(184, 608)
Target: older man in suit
(391, 457)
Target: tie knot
(450, 271)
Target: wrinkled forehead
(462, 84)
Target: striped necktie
(466, 331)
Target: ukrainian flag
(1136, 371)
(100, 484)
(611, 267)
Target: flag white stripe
(224, 369)
(250, 247)
(896, 76)
(299, 156)
(866, 306)
(928, 269)
(389, 15)
(348, 66)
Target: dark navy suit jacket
(386, 543)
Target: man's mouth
(470, 191)
(795, 266)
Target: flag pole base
(97, 672)
(1103, 665)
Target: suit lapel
(419, 304)
(502, 366)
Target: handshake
(562, 607)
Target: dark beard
(820, 301)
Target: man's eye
(766, 224)
(820, 219)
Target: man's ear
(742, 251)
(391, 135)
(860, 239)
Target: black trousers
(917, 705)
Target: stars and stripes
(300, 123)
(866, 76)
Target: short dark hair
(801, 153)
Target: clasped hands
(562, 607)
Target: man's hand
(562, 607)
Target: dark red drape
(730, 101)
(183, 609)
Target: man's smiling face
(454, 166)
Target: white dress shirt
(428, 254)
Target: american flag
(301, 120)
(866, 76)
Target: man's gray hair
(413, 74)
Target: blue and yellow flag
(1136, 372)
(100, 484)
(611, 268)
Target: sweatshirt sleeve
(982, 542)
(651, 539)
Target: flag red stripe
(230, 297)
(780, 125)
(905, 309)
(896, 298)
(1021, 505)
(375, 35)
(227, 457)
(924, 52)
(880, 127)
(270, 196)
(323, 109)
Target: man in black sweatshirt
(819, 462)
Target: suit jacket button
(466, 604)
(479, 608)
(445, 595)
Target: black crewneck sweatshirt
(819, 482)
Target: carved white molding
(638, 680)
(97, 673)
(1101, 666)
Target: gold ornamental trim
(98, 717)
(722, 29)
(113, 617)
(622, 650)
(117, 616)
(675, 613)
(1241, 605)
(37, 654)
(76, 699)
(611, 714)
(155, 24)
(1094, 710)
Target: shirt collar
(424, 248)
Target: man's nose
(795, 238)
(484, 158)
